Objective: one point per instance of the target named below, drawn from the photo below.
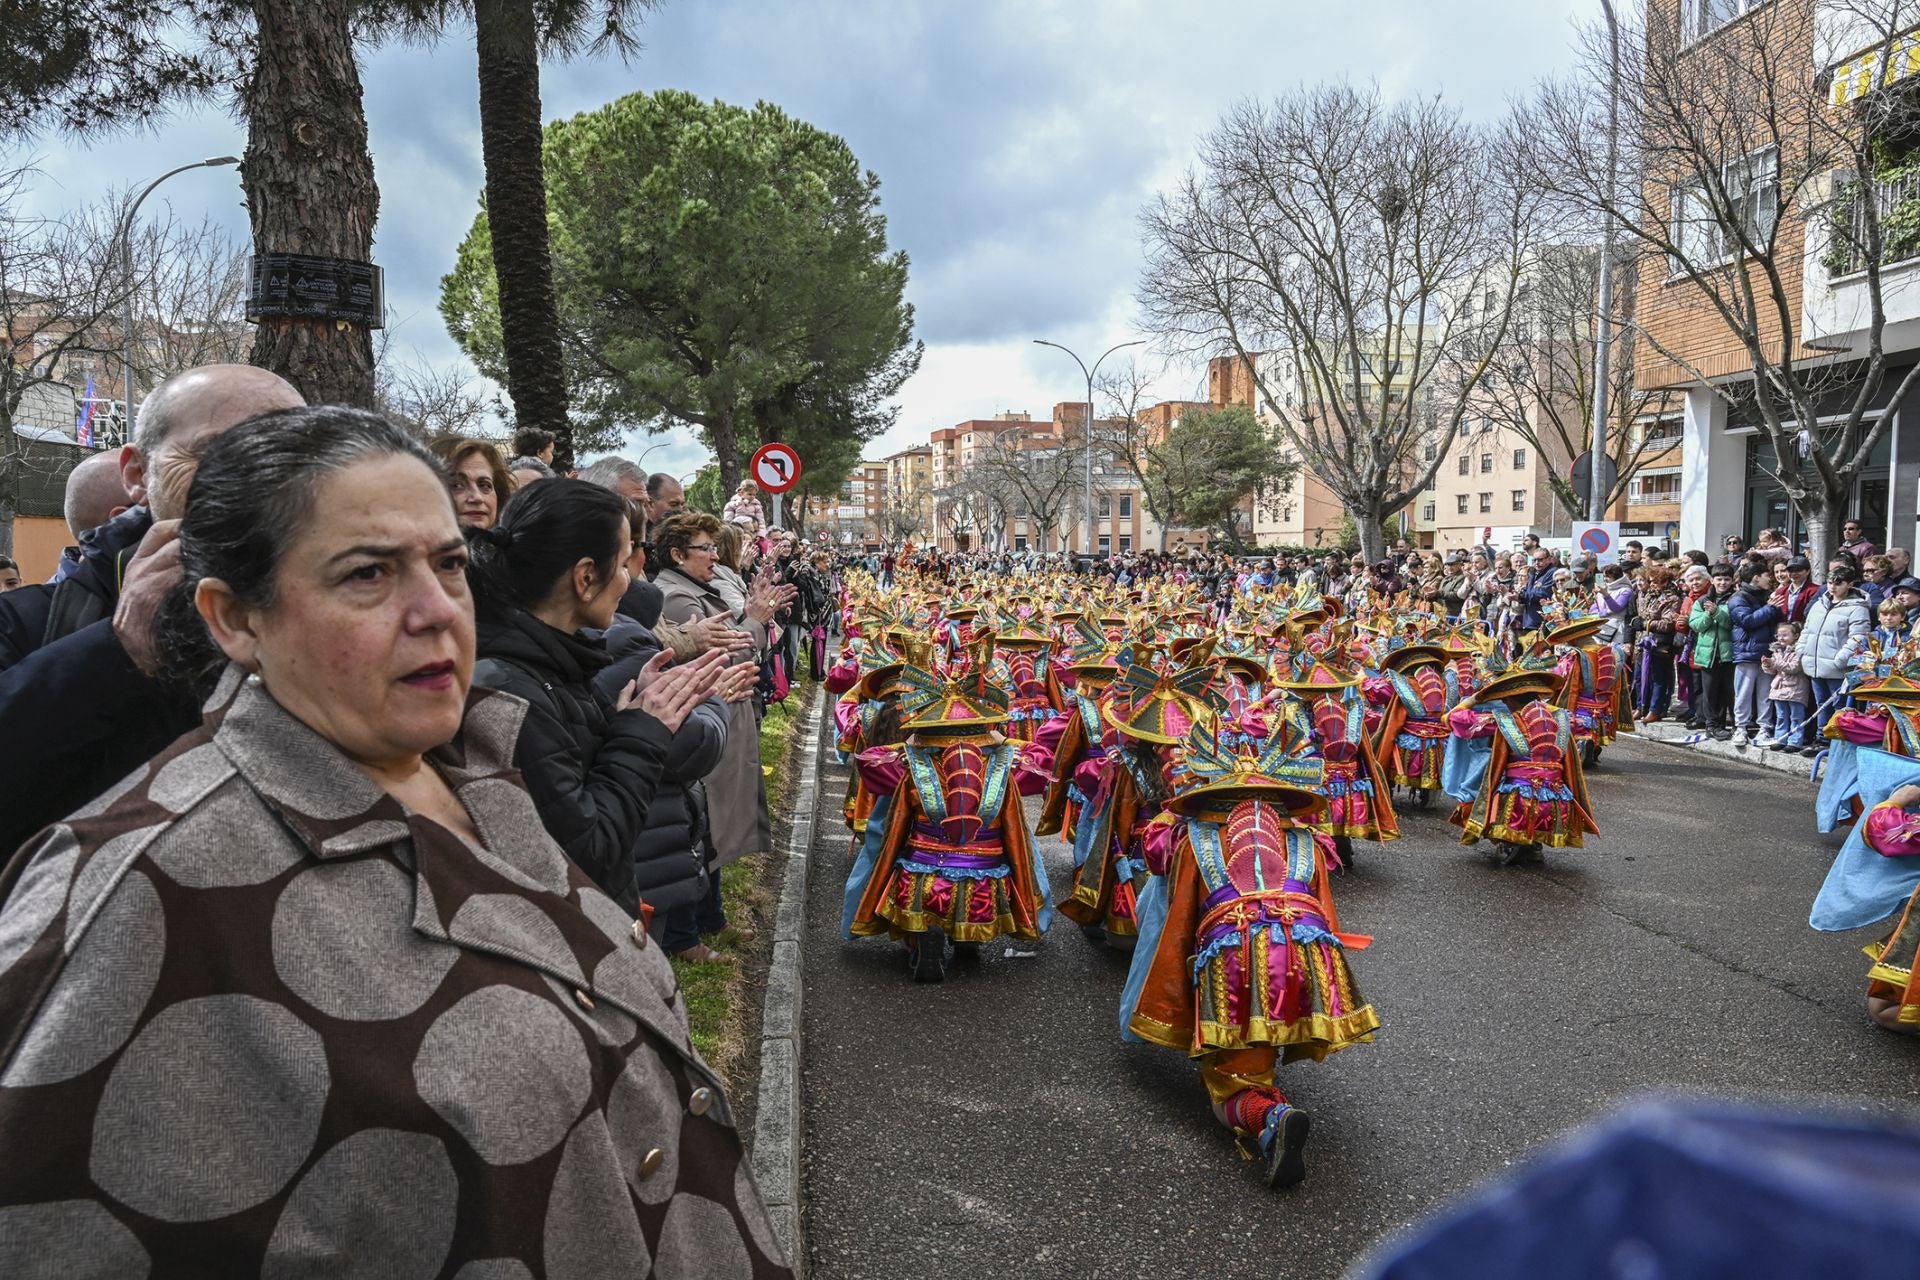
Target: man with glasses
(1538, 588)
(1853, 540)
(1736, 547)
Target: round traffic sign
(1596, 541)
(775, 467)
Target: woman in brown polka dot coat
(279, 1004)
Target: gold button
(650, 1163)
(701, 1102)
(640, 935)
(585, 1000)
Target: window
(1019, 542)
(1105, 544)
(1654, 485)
(1703, 17)
(1426, 513)
(1519, 459)
(1486, 502)
(1106, 506)
(1703, 237)
(1519, 499)
(1465, 464)
(1486, 463)
(1460, 501)
(1433, 451)
(1661, 433)
(1126, 507)
(1126, 543)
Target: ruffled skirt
(1528, 808)
(1260, 978)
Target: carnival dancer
(1149, 712)
(1415, 690)
(1034, 696)
(1321, 697)
(953, 862)
(1531, 793)
(1593, 691)
(1080, 740)
(1885, 684)
(1875, 876)
(1242, 963)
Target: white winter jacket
(1828, 636)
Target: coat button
(584, 1000)
(650, 1163)
(640, 935)
(701, 1102)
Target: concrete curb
(1668, 734)
(778, 1125)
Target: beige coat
(258, 1018)
(736, 789)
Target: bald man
(95, 495)
(79, 706)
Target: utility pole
(1603, 329)
(126, 263)
(1089, 422)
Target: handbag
(818, 664)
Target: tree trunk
(1817, 510)
(723, 436)
(1367, 519)
(510, 141)
(310, 187)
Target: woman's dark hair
(251, 498)
(544, 530)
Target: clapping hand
(738, 684)
(718, 633)
(669, 693)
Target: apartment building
(1824, 63)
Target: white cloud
(1016, 141)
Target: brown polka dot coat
(258, 1018)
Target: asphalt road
(996, 1125)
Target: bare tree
(1040, 485)
(427, 400)
(190, 305)
(1135, 445)
(1334, 231)
(1540, 384)
(1741, 172)
(62, 286)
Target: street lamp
(1089, 423)
(126, 262)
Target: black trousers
(1718, 683)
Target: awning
(1863, 73)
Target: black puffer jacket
(592, 771)
(76, 716)
(670, 865)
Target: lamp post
(126, 262)
(1089, 422)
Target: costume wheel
(1423, 799)
(1515, 855)
(1094, 934)
(1343, 845)
(1589, 754)
(927, 956)
(967, 953)
(1286, 1163)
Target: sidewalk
(1672, 734)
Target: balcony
(1836, 301)
(1895, 200)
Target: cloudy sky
(1015, 140)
